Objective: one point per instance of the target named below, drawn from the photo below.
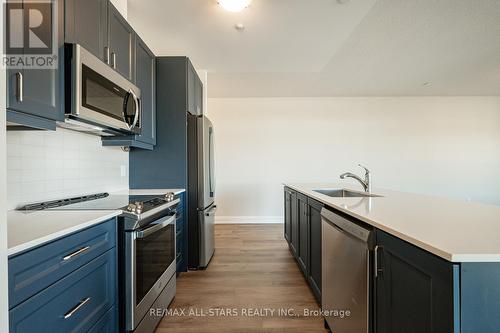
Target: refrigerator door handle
(211, 211)
(211, 161)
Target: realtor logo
(30, 39)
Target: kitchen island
(438, 260)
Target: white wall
(446, 146)
(122, 6)
(45, 165)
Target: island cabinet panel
(414, 289)
(302, 231)
(303, 219)
(288, 214)
(314, 276)
(480, 297)
(294, 210)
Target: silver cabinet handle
(113, 60)
(376, 260)
(76, 308)
(19, 86)
(77, 252)
(106, 55)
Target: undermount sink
(343, 193)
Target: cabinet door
(87, 25)
(288, 214)
(303, 218)
(294, 230)
(198, 96)
(121, 41)
(315, 247)
(38, 92)
(414, 289)
(145, 80)
(72, 304)
(191, 88)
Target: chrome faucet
(365, 183)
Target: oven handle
(156, 226)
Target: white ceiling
(325, 48)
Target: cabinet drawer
(107, 323)
(73, 304)
(35, 270)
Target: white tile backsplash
(43, 165)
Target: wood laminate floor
(251, 274)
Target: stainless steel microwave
(98, 99)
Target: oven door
(150, 263)
(101, 95)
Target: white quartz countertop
(454, 230)
(26, 230)
(157, 191)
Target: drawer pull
(19, 87)
(76, 308)
(77, 252)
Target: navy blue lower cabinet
(34, 270)
(414, 289)
(181, 235)
(74, 303)
(107, 323)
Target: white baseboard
(248, 219)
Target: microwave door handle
(137, 108)
(160, 224)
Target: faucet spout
(365, 183)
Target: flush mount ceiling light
(234, 5)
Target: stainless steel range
(147, 251)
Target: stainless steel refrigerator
(201, 191)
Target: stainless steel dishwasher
(346, 273)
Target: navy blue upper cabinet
(35, 96)
(87, 25)
(145, 69)
(194, 91)
(121, 41)
(100, 28)
(414, 289)
(146, 81)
